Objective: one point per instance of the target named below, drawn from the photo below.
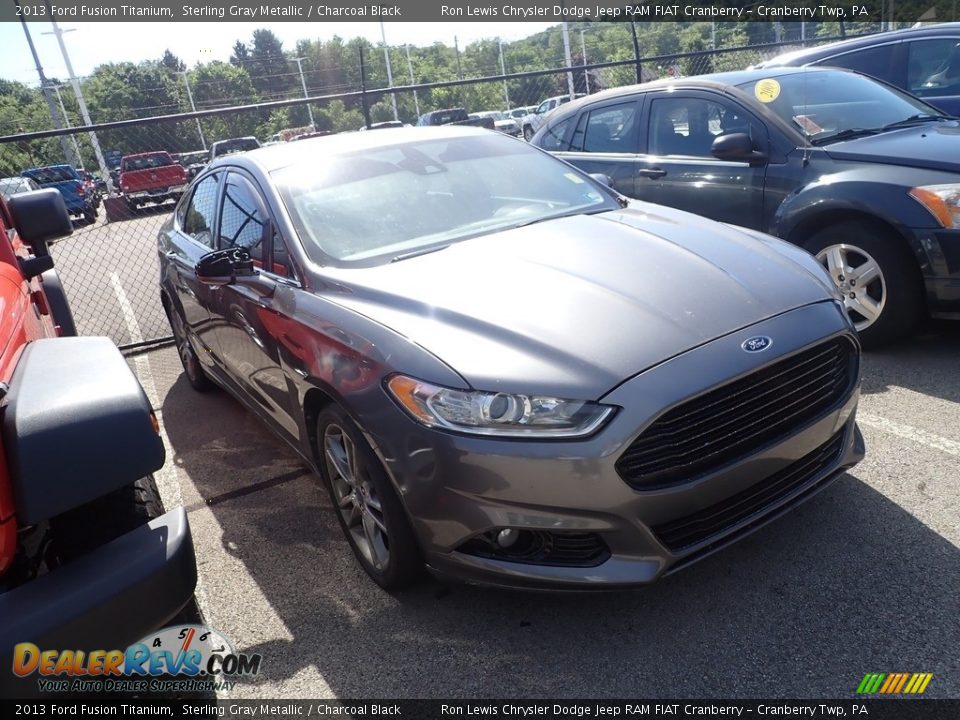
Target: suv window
(876, 61)
(201, 210)
(241, 217)
(933, 66)
(611, 129)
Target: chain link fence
(109, 265)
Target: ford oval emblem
(756, 344)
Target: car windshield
(14, 185)
(50, 175)
(234, 146)
(371, 206)
(146, 161)
(827, 106)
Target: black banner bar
(476, 10)
(870, 708)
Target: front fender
(840, 194)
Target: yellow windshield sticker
(767, 90)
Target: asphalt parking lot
(862, 578)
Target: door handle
(653, 172)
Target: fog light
(506, 538)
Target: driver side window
(688, 126)
(241, 218)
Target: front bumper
(107, 599)
(456, 488)
(938, 252)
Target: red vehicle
(151, 177)
(88, 559)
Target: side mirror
(603, 179)
(40, 216)
(222, 267)
(736, 146)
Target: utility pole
(416, 103)
(456, 49)
(84, 113)
(583, 52)
(565, 28)
(203, 140)
(44, 87)
(636, 51)
(363, 89)
(503, 71)
(77, 160)
(303, 82)
(386, 56)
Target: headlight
(499, 414)
(943, 202)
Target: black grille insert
(731, 422)
(694, 529)
(542, 547)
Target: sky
(91, 44)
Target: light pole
(569, 60)
(84, 113)
(503, 71)
(583, 51)
(203, 140)
(303, 82)
(416, 103)
(66, 122)
(386, 56)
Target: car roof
(712, 81)
(812, 54)
(276, 157)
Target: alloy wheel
(859, 279)
(356, 497)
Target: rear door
(605, 139)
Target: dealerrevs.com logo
(177, 658)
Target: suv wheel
(367, 507)
(528, 133)
(882, 290)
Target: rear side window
(553, 136)
(611, 129)
(876, 62)
(200, 212)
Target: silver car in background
(503, 370)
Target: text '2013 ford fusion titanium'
(502, 369)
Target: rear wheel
(527, 133)
(188, 357)
(367, 507)
(90, 215)
(878, 278)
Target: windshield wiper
(416, 253)
(846, 135)
(557, 216)
(913, 119)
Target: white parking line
(166, 477)
(908, 432)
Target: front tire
(528, 133)
(368, 509)
(877, 276)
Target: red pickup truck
(151, 177)
(88, 558)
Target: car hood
(574, 306)
(935, 146)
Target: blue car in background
(80, 200)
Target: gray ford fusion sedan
(502, 370)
